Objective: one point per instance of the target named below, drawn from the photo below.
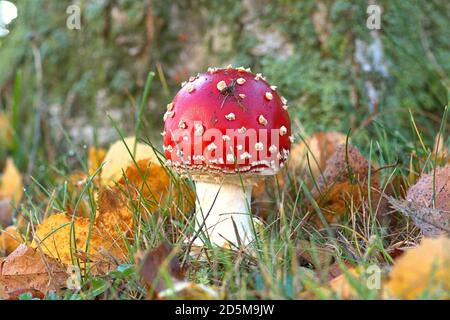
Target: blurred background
(63, 89)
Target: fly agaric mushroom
(235, 131)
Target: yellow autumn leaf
(95, 158)
(422, 270)
(118, 159)
(342, 286)
(11, 186)
(64, 238)
(9, 240)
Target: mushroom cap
(227, 121)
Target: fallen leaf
(318, 256)
(424, 269)
(6, 213)
(428, 202)
(149, 180)
(162, 273)
(118, 159)
(28, 270)
(113, 213)
(432, 190)
(144, 177)
(58, 240)
(96, 157)
(309, 158)
(11, 186)
(341, 285)
(9, 240)
(345, 183)
(158, 266)
(432, 222)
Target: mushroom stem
(217, 207)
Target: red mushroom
(226, 128)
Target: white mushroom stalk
(222, 214)
(8, 12)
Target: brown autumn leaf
(424, 269)
(309, 158)
(432, 222)
(428, 202)
(345, 183)
(10, 239)
(318, 256)
(28, 270)
(432, 187)
(11, 186)
(159, 264)
(160, 267)
(6, 213)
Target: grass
(272, 268)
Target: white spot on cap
(262, 120)
(168, 163)
(198, 129)
(170, 106)
(225, 138)
(259, 146)
(221, 85)
(182, 124)
(192, 79)
(291, 138)
(248, 69)
(258, 76)
(274, 88)
(168, 148)
(186, 138)
(284, 100)
(183, 84)
(229, 66)
(283, 130)
(240, 69)
(242, 96)
(190, 88)
(211, 146)
(212, 70)
(268, 96)
(240, 81)
(245, 155)
(231, 116)
(168, 114)
(242, 130)
(273, 148)
(239, 147)
(285, 107)
(163, 133)
(230, 157)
